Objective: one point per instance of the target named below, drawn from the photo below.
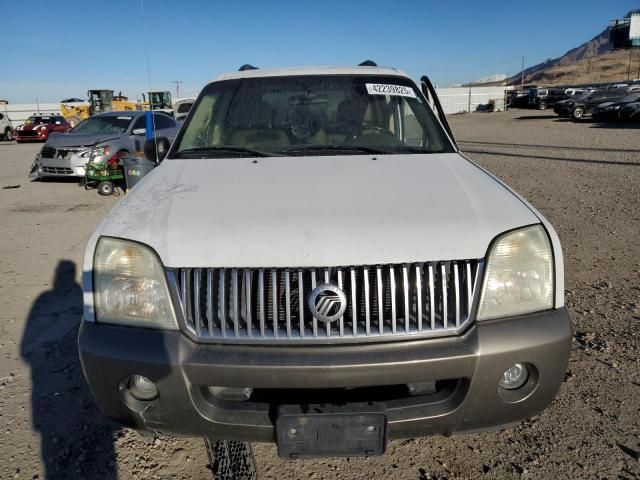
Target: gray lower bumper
(471, 363)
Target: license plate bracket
(320, 431)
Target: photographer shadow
(76, 440)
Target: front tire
(578, 113)
(8, 135)
(542, 106)
(105, 188)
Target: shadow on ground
(76, 440)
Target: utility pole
(177, 83)
(629, 69)
(522, 75)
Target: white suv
(316, 264)
(6, 128)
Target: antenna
(177, 84)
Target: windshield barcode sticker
(397, 90)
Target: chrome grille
(57, 170)
(383, 302)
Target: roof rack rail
(246, 66)
(368, 63)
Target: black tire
(105, 189)
(542, 106)
(577, 113)
(8, 135)
(231, 460)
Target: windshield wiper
(413, 149)
(198, 151)
(334, 148)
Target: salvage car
(315, 263)
(610, 111)
(103, 138)
(630, 112)
(6, 128)
(37, 128)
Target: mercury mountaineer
(315, 263)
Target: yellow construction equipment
(99, 101)
(157, 100)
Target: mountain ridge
(596, 47)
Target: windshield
(583, 96)
(630, 98)
(107, 124)
(310, 115)
(37, 120)
(160, 99)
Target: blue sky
(57, 49)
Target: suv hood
(316, 211)
(79, 139)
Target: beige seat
(259, 138)
(258, 132)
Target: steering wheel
(370, 130)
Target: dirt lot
(584, 177)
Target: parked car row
(617, 102)
(604, 105)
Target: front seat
(259, 133)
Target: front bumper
(472, 364)
(30, 138)
(71, 166)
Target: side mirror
(139, 131)
(155, 149)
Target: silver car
(101, 138)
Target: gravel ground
(584, 177)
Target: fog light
(231, 393)
(514, 377)
(142, 388)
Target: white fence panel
(19, 112)
(467, 99)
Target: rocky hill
(592, 62)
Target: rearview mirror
(139, 131)
(155, 149)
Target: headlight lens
(100, 151)
(130, 286)
(519, 275)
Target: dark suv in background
(541, 98)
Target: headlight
(97, 151)
(130, 286)
(519, 276)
